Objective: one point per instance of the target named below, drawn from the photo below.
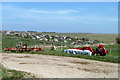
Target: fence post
(110, 51)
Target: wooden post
(110, 51)
(61, 47)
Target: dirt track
(59, 67)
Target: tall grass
(10, 74)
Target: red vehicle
(22, 49)
(99, 50)
(6, 49)
(38, 49)
(12, 49)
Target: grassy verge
(114, 58)
(8, 74)
(107, 58)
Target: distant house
(17, 34)
(96, 41)
(78, 41)
(90, 42)
(38, 37)
(50, 37)
(43, 39)
(55, 40)
(56, 35)
(12, 33)
(23, 35)
(69, 39)
(32, 37)
(73, 43)
(29, 34)
(46, 39)
(7, 33)
(64, 37)
(64, 41)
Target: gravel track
(45, 66)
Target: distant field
(106, 38)
(9, 41)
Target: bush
(118, 40)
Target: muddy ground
(45, 66)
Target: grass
(108, 58)
(113, 58)
(9, 74)
(9, 41)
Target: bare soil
(45, 66)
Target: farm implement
(87, 51)
(24, 48)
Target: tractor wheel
(102, 54)
(94, 54)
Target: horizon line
(62, 32)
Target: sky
(61, 17)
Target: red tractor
(101, 50)
(88, 51)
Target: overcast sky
(90, 17)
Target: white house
(7, 32)
(69, 39)
(56, 40)
(38, 37)
(64, 41)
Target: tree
(48, 37)
(118, 40)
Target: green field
(8, 41)
(11, 41)
(108, 58)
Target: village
(54, 38)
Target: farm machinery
(22, 48)
(88, 51)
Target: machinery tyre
(102, 54)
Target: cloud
(39, 11)
(55, 12)
(13, 9)
(35, 14)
